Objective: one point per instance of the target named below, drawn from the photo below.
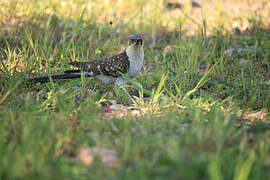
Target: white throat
(136, 57)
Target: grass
(198, 110)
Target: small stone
(107, 156)
(185, 125)
(117, 107)
(168, 49)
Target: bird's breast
(135, 64)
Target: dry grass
(151, 16)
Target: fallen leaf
(85, 156)
(253, 116)
(135, 114)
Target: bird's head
(136, 40)
(135, 47)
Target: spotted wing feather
(110, 66)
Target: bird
(109, 69)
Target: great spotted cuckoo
(108, 69)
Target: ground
(198, 110)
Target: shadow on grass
(243, 72)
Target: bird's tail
(69, 74)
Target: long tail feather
(68, 74)
(72, 71)
(45, 79)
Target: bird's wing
(110, 66)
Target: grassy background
(198, 110)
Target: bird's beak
(136, 41)
(139, 42)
